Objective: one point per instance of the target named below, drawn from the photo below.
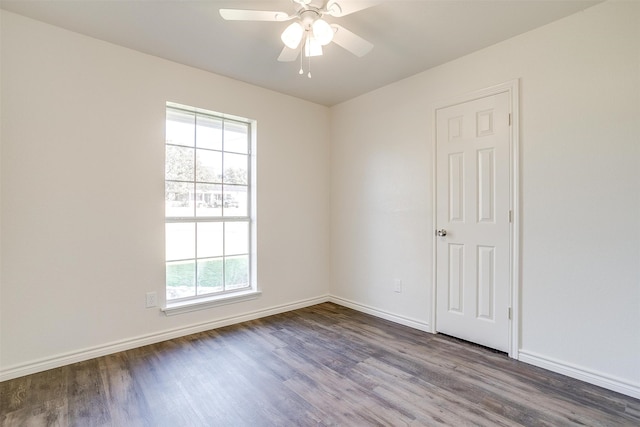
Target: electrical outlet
(397, 285)
(152, 300)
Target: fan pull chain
(301, 57)
(305, 47)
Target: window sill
(208, 302)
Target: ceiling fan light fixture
(322, 32)
(292, 35)
(307, 34)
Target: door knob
(441, 233)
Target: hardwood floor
(319, 366)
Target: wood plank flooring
(324, 365)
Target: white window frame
(226, 296)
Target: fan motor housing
(308, 16)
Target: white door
(472, 210)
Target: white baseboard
(580, 373)
(407, 321)
(59, 360)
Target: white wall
(82, 195)
(580, 190)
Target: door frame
(512, 89)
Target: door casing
(512, 88)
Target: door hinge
(510, 216)
(509, 313)
(509, 119)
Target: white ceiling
(409, 36)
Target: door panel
(456, 278)
(473, 200)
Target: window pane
(208, 133)
(236, 272)
(236, 137)
(210, 276)
(178, 197)
(209, 166)
(180, 128)
(207, 169)
(235, 168)
(208, 200)
(181, 279)
(210, 239)
(180, 240)
(179, 163)
(236, 238)
(235, 200)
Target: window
(207, 204)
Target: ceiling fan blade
(351, 42)
(288, 55)
(340, 8)
(253, 15)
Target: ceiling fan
(309, 31)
